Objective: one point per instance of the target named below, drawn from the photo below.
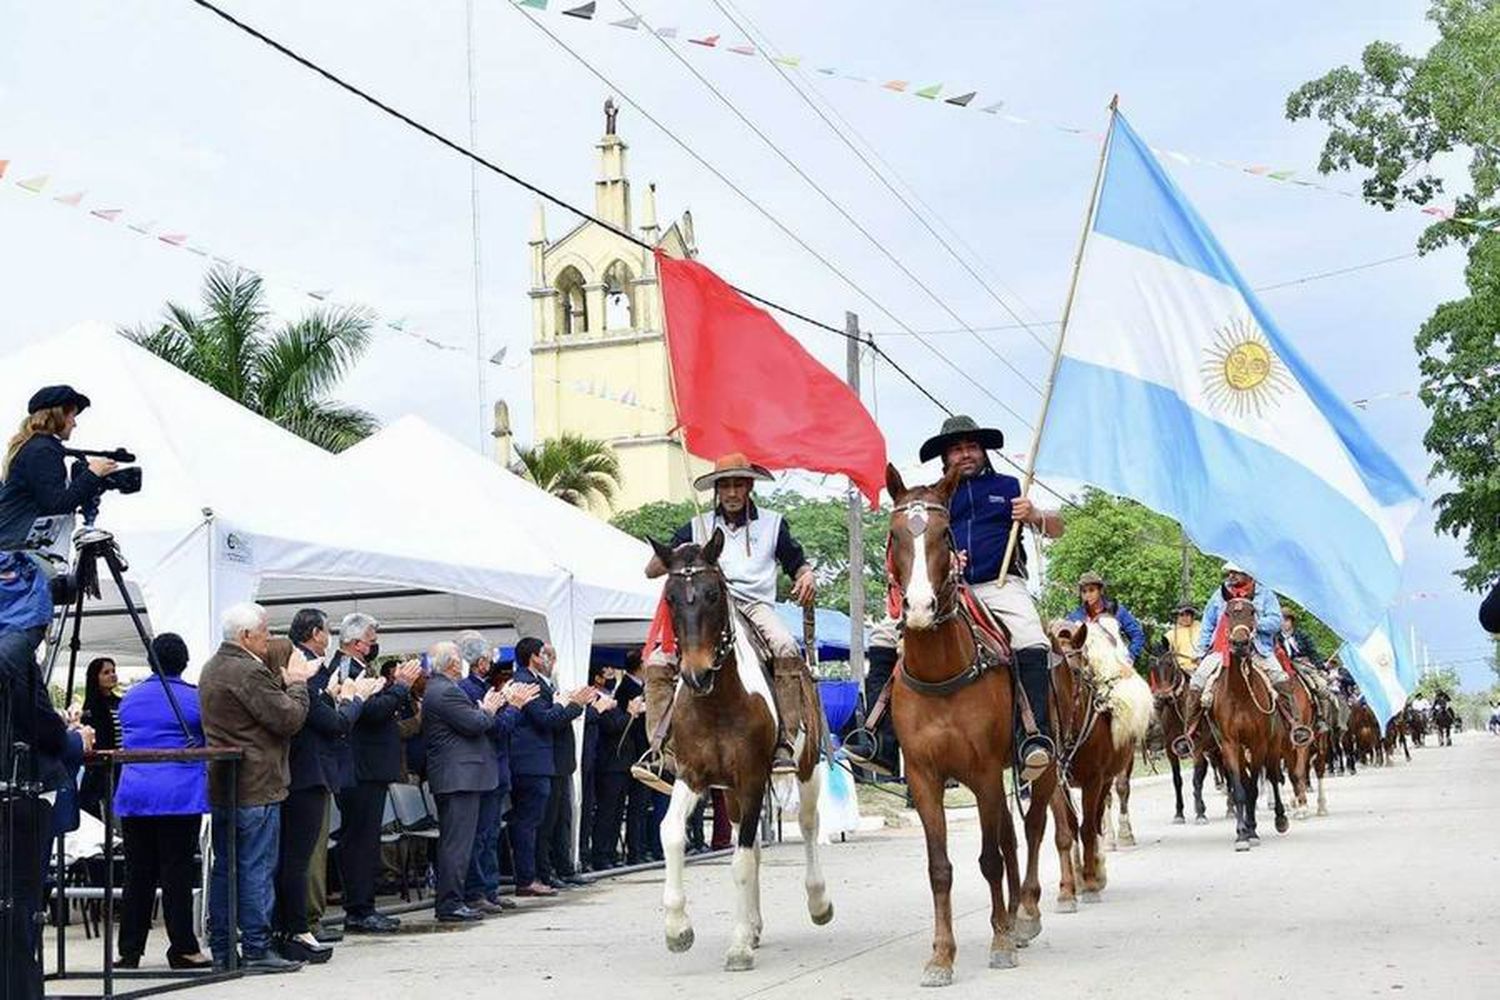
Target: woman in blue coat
(161, 809)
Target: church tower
(598, 355)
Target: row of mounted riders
(955, 713)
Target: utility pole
(856, 528)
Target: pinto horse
(1244, 722)
(1103, 709)
(954, 712)
(724, 736)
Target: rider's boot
(657, 769)
(1302, 735)
(1034, 666)
(788, 673)
(1182, 746)
(875, 749)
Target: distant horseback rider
(1093, 602)
(1297, 643)
(984, 506)
(1182, 639)
(757, 543)
(1213, 640)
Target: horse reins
(724, 646)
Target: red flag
(744, 384)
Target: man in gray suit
(461, 767)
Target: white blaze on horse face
(921, 601)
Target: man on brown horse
(1182, 640)
(1213, 642)
(756, 543)
(983, 507)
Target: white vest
(749, 557)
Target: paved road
(1393, 893)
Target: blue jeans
(528, 795)
(257, 832)
(483, 881)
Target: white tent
(234, 507)
(604, 564)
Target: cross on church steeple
(611, 112)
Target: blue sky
(163, 110)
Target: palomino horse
(724, 736)
(954, 713)
(1443, 720)
(1306, 761)
(1169, 687)
(1243, 722)
(1103, 709)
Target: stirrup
(1301, 735)
(1182, 747)
(1037, 753)
(862, 748)
(651, 771)
(783, 760)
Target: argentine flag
(1383, 668)
(1176, 388)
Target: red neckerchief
(1245, 590)
(661, 635)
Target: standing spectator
(631, 694)
(482, 884)
(101, 710)
(462, 770)
(338, 764)
(533, 762)
(245, 704)
(554, 845)
(620, 745)
(375, 744)
(314, 762)
(600, 677)
(161, 809)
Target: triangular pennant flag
(1441, 213)
(828, 71)
(33, 184)
(70, 199)
(708, 42)
(1281, 175)
(538, 4)
(783, 60)
(666, 32)
(962, 100)
(144, 228)
(742, 50)
(993, 108)
(397, 324)
(320, 294)
(629, 24)
(107, 214)
(899, 86)
(3, 165)
(198, 250)
(583, 11)
(1257, 170)
(930, 92)
(176, 239)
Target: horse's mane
(1107, 651)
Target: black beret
(58, 395)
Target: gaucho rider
(983, 507)
(1213, 641)
(756, 544)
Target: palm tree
(575, 469)
(283, 373)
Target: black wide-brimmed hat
(960, 428)
(1186, 609)
(58, 395)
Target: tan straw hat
(732, 466)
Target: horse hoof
(1025, 928)
(1178, 821)
(1069, 905)
(1091, 896)
(937, 975)
(1002, 959)
(1322, 810)
(823, 918)
(678, 943)
(1241, 845)
(1200, 820)
(1282, 824)
(1128, 840)
(739, 961)
(1254, 841)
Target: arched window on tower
(619, 297)
(572, 313)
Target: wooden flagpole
(1036, 438)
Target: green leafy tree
(575, 469)
(1444, 678)
(283, 372)
(1403, 119)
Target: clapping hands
(492, 702)
(518, 695)
(408, 672)
(298, 668)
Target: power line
(766, 51)
(838, 207)
(1335, 273)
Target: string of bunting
(39, 184)
(966, 99)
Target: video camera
(125, 480)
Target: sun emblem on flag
(1242, 374)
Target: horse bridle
(724, 646)
(915, 512)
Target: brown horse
(1243, 722)
(1363, 737)
(724, 736)
(1306, 761)
(1443, 720)
(1395, 734)
(1169, 686)
(1103, 709)
(954, 712)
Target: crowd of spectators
(341, 746)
